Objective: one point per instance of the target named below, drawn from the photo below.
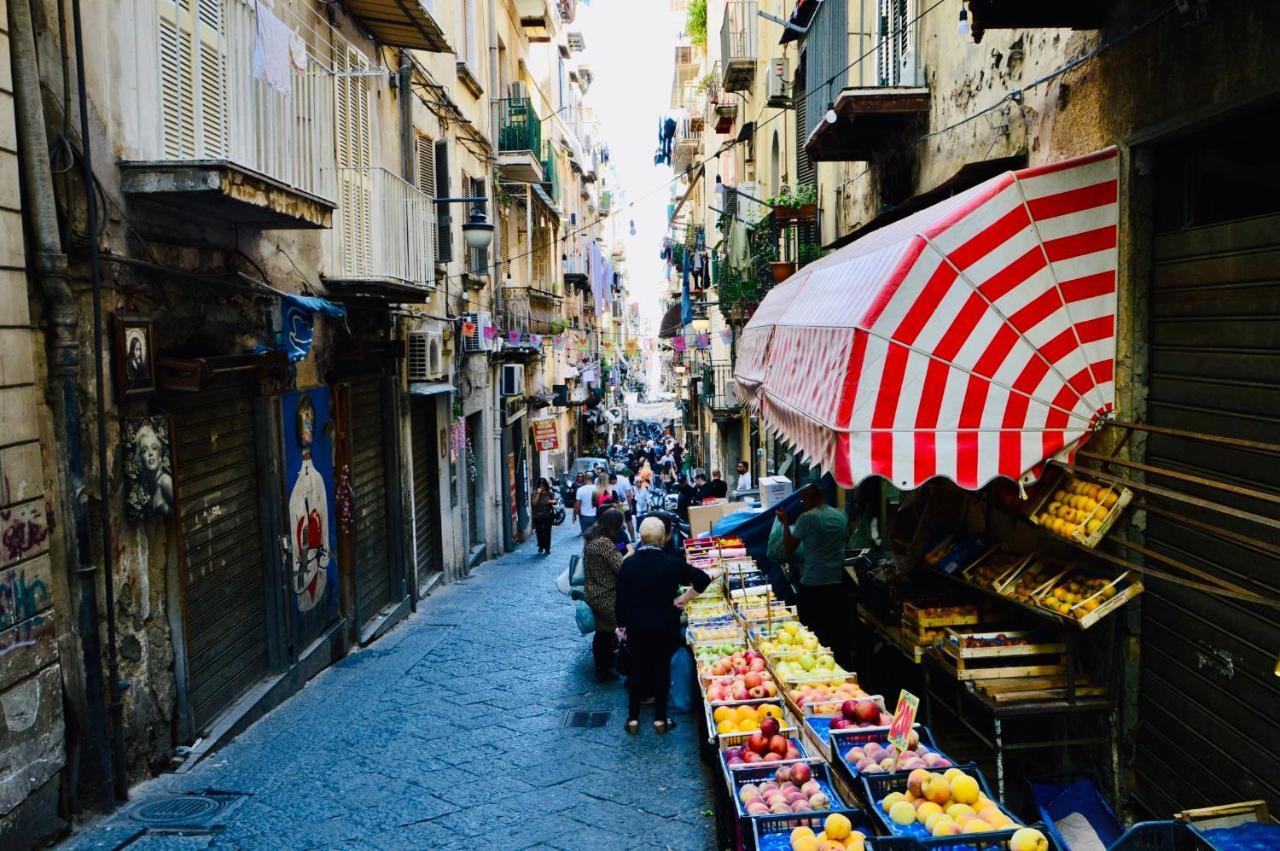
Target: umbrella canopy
(971, 340)
(670, 325)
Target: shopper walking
(649, 603)
(584, 506)
(820, 599)
(601, 562)
(541, 509)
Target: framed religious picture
(134, 356)
(148, 468)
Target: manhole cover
(586, 718)
(188, 812)
(178, 809)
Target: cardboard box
(703, 517)
(774, 489)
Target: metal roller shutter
(1207, 694)
(216, 479)
(369, 482)
(425, 481)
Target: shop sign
(513, 409)
(546, 435)
(904, 718)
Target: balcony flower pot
(807, 213)
(782, 269)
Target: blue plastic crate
(773, 833)
(1160, 836)
(876, 786)
(1057, 799)
(821, 773)
(1251, 836)
(842, 740)
(973, 842)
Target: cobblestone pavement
(448, 733)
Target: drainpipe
(50, 274)
(495, 265)
(115, 684)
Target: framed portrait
(148, 468)
(134, 356)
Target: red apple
(752, 680)
(849, 709)
(867, 711)
(758, 742)
(778, 745)
(801, 773)
(840, 724)
(769, 726)
(750, 756)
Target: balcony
(534, 310)
(1047, 14)
(218, 145)
(878, 107)
(383, 237)
(576, 273)
(719, 394)
(550, 175)
(538, 19)
(519, 141)
(688, 145)
(410, 24)
(738, 44)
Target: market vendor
(821, 600)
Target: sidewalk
(450, 732)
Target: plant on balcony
(501, 197)
(738, 292)
(762, 243)
(809, 252)
(798, 205)
(695, 22)
(708, 83)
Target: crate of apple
(753, 685)
(773, 743)
(801, 787)
(734, 662)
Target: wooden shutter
(426, 152)
(193, 79)
(355, 193)
(444, 220)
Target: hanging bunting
(726, 335)
(677, 344)
(607, 345)
(490, 332)
(703, 341)
(557, 342)
(535, 339)
(468, 329)
(513, 338)
(632, 347)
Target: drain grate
(586, 719)
(182, 812)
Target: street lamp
(477, 230)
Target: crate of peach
(847, 830)
(869, 750)
(1080, 510)
(801, 787)
(923, 805)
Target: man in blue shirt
(823, 605)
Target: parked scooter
(557, 509)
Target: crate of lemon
(1080, 510)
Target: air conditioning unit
(779, 93)
(518, 91)
(513, 379)
(477, 341)
(425, 359)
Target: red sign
(546, 437)
(904, 719)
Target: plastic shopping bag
(585, 617)
(682, 695)
(562, 583)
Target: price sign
(904, 719)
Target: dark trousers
(650, 673)
(830, 612)
(542, 528)
(602, 646)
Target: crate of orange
(741, 717)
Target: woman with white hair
(648, 609)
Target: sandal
(664, 727)
(633, 726)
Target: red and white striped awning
(971, 340)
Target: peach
(837, 827)
(902, 813)
(757, 808)
(933, 820)
(937, 789)
(915, 779)
(1028, 839)
(926, 809)
(891, 799)
(975, 825)
(945, 826)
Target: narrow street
(450, 732)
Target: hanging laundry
(298, 53)
(272, 62)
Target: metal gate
(426, 478)
(374, 588)
(220, 544)
(1207, 695)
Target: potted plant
(800, 205)
(809, 252)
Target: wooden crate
(1038, 659)
(918, 624)
(1034, 689)
(1107, 516)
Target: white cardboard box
(703, 517)
(774, 489)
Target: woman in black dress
(648, 609)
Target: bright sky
(629, 49)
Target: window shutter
(354, 156)
(426, 152)
(211, 72)
(444, 222)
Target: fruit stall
(812, 759)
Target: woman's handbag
(623, 665)
(585, 618)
